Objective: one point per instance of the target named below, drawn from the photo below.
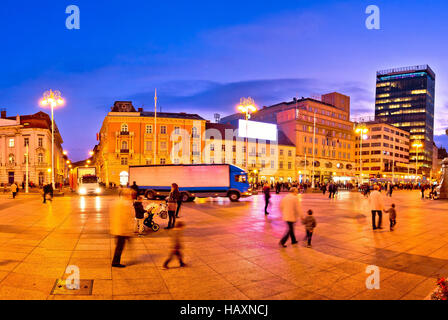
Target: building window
(148, 161)
(162, 161)
(289, 165)
(148, 146)
(11, 159)
(281, 152)
(272, 151)
(11, 143)
(124, 161)
(163, 145)
(124, 127)
(41, 142)
(289, 153)
(272, 164)
(26, 142)
(194, 132)
(176, 130)
(148, 129)
(124, 145)
(280, 164)
(40, 158)
(162, 129)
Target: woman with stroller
(172, 200)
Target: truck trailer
(194, 180)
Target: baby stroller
(153, 209)
(149, 221)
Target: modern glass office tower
(405, 99)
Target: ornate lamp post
(247, 106)
(53, 99)
(361, 130)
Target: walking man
(290, 209)
(14, 189)
(376, 207)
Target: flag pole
(155, 126)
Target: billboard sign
(257, 130)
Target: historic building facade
(321, 131)
(32, 131)
(135, 137)
(264, 160)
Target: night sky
(204, 55)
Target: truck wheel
(150, 195)
(233, 196)
(184, 196)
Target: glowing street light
(361, 130)
(64, 152)
(91, 153)
(53, 99)
(416, 145)
(247, 106)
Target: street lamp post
(247, 106)
(361, 130)
(53, 99)
(416, 145)
(314, 141)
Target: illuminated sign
(257, 130)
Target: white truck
(85, 181)
(194, 180)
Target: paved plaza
(231, 250)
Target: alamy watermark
(373, 280)
(373, 20)
(73, 21)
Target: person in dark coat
(172, 200)
(135, 188)
(267, 196)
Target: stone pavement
(231, 250)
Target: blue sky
(204, 55)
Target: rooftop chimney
(3, 113)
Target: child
(177, 245)
(310, 224)
(139, 215)
(392, 216)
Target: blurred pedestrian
(176, 250)
(310, 223)
(121, 213)
(267, 196)
(290, 208)
(48, 190)
(376, 207)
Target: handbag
(172, 206)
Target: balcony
(124, 133)
(124, 150)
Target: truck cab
(88, 184)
